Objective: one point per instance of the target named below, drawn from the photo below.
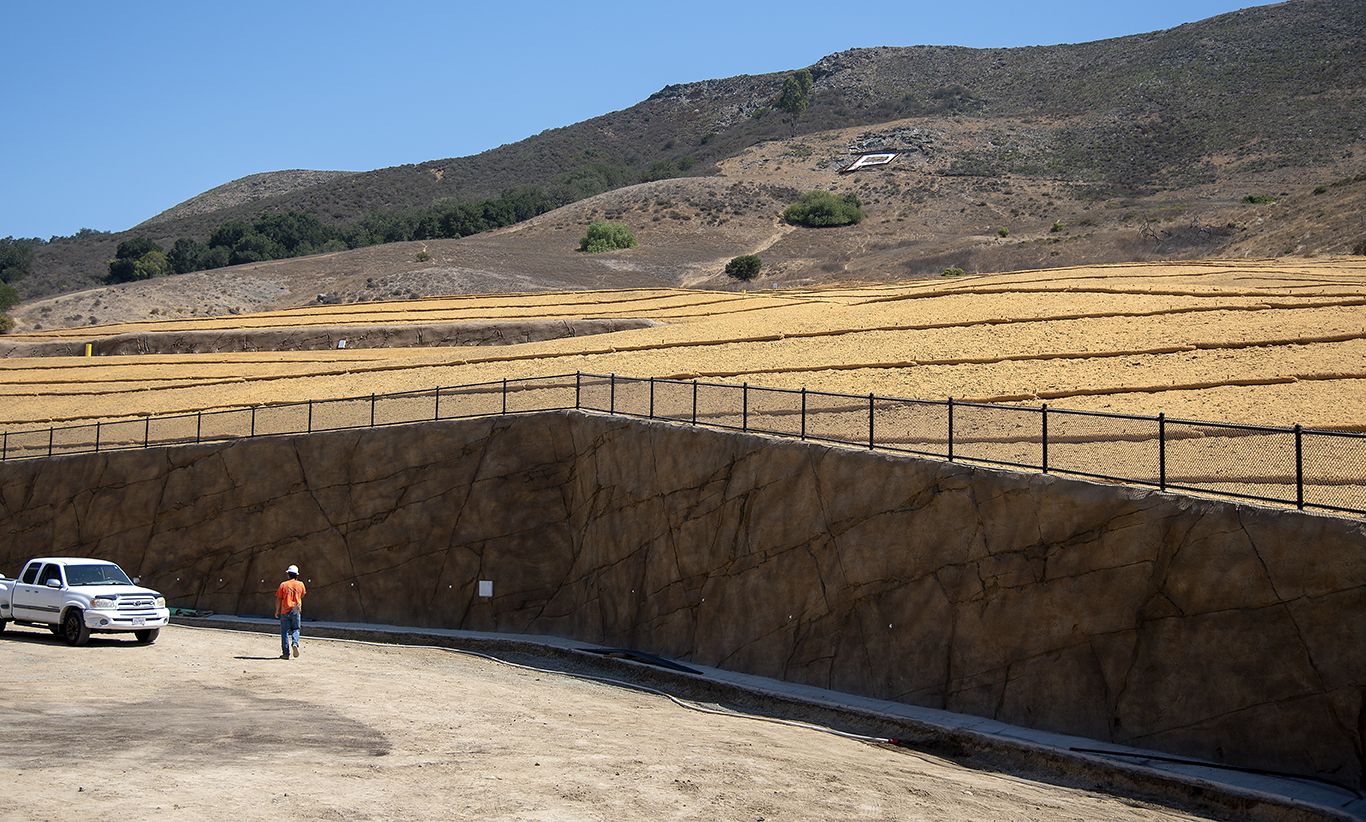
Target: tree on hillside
(138, 258)
(604, 236)
(745, 267)
(796, 95)
(16, 257)
(187, 255)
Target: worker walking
(289, 607)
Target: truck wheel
(3, 623)
(73, 628)
(148, 636)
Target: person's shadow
(260, 658)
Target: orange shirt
(288, 596)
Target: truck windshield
(102, 574)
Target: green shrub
(1259, 199)
(138, 259)
(822, 209)
(1320, 189)
(796, 95)
(423, 256)
(745, 267)
(1003, 232)
(604, 236)
(9, 298)
(953, 271)
(1057, 226)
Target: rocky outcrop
(1198, 627)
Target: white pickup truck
(74, 598)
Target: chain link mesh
(1104, 446)
(1231, 460)
(1334, 470)
(999, 434)
(839, 418)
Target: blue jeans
(289, 630)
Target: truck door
(25, 592)
(41, 603)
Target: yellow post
(89, 349)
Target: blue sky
(118, 110)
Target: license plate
(139, 621)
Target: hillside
(245, 190)
(1205, 113)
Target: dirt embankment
(325, 337)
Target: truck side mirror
(137, 580)
(53, 583)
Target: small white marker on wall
(486, 588)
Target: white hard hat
(293, 569)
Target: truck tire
(148, 636)
(73, 627)
(3, 623)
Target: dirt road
(211, 725)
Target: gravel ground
(212, 725)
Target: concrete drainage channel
(971, 742)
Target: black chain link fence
(1306, 468)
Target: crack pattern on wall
(1203, 628)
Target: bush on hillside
(1003, 232)
(953, 271)
(1259, 199)
(604, 236)
(745, 267)
(822, 209)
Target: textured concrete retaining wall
(1203, 628)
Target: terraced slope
(1254, 341)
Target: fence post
(803, 412)
(310, 416)
(1299, 466)
(253, 421)
(4, 446)
(505, 395)
(372, 409)
(652, 398)
(49, 440)
(436, 415)
(950, 429)
(147, 431)
(1162, 451)
(744, 407)
(1045, 439)
(97, 436)
(694, 402)
(870, 421)
(198, 425)
(578, 387)
(612, 393)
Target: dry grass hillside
(1144, 146)
(923, 216)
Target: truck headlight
(104, 602)
(159, 602)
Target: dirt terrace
(1271, 342)
(210, 725)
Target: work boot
(284, 656)
(296, 649)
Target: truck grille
(135, 603)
